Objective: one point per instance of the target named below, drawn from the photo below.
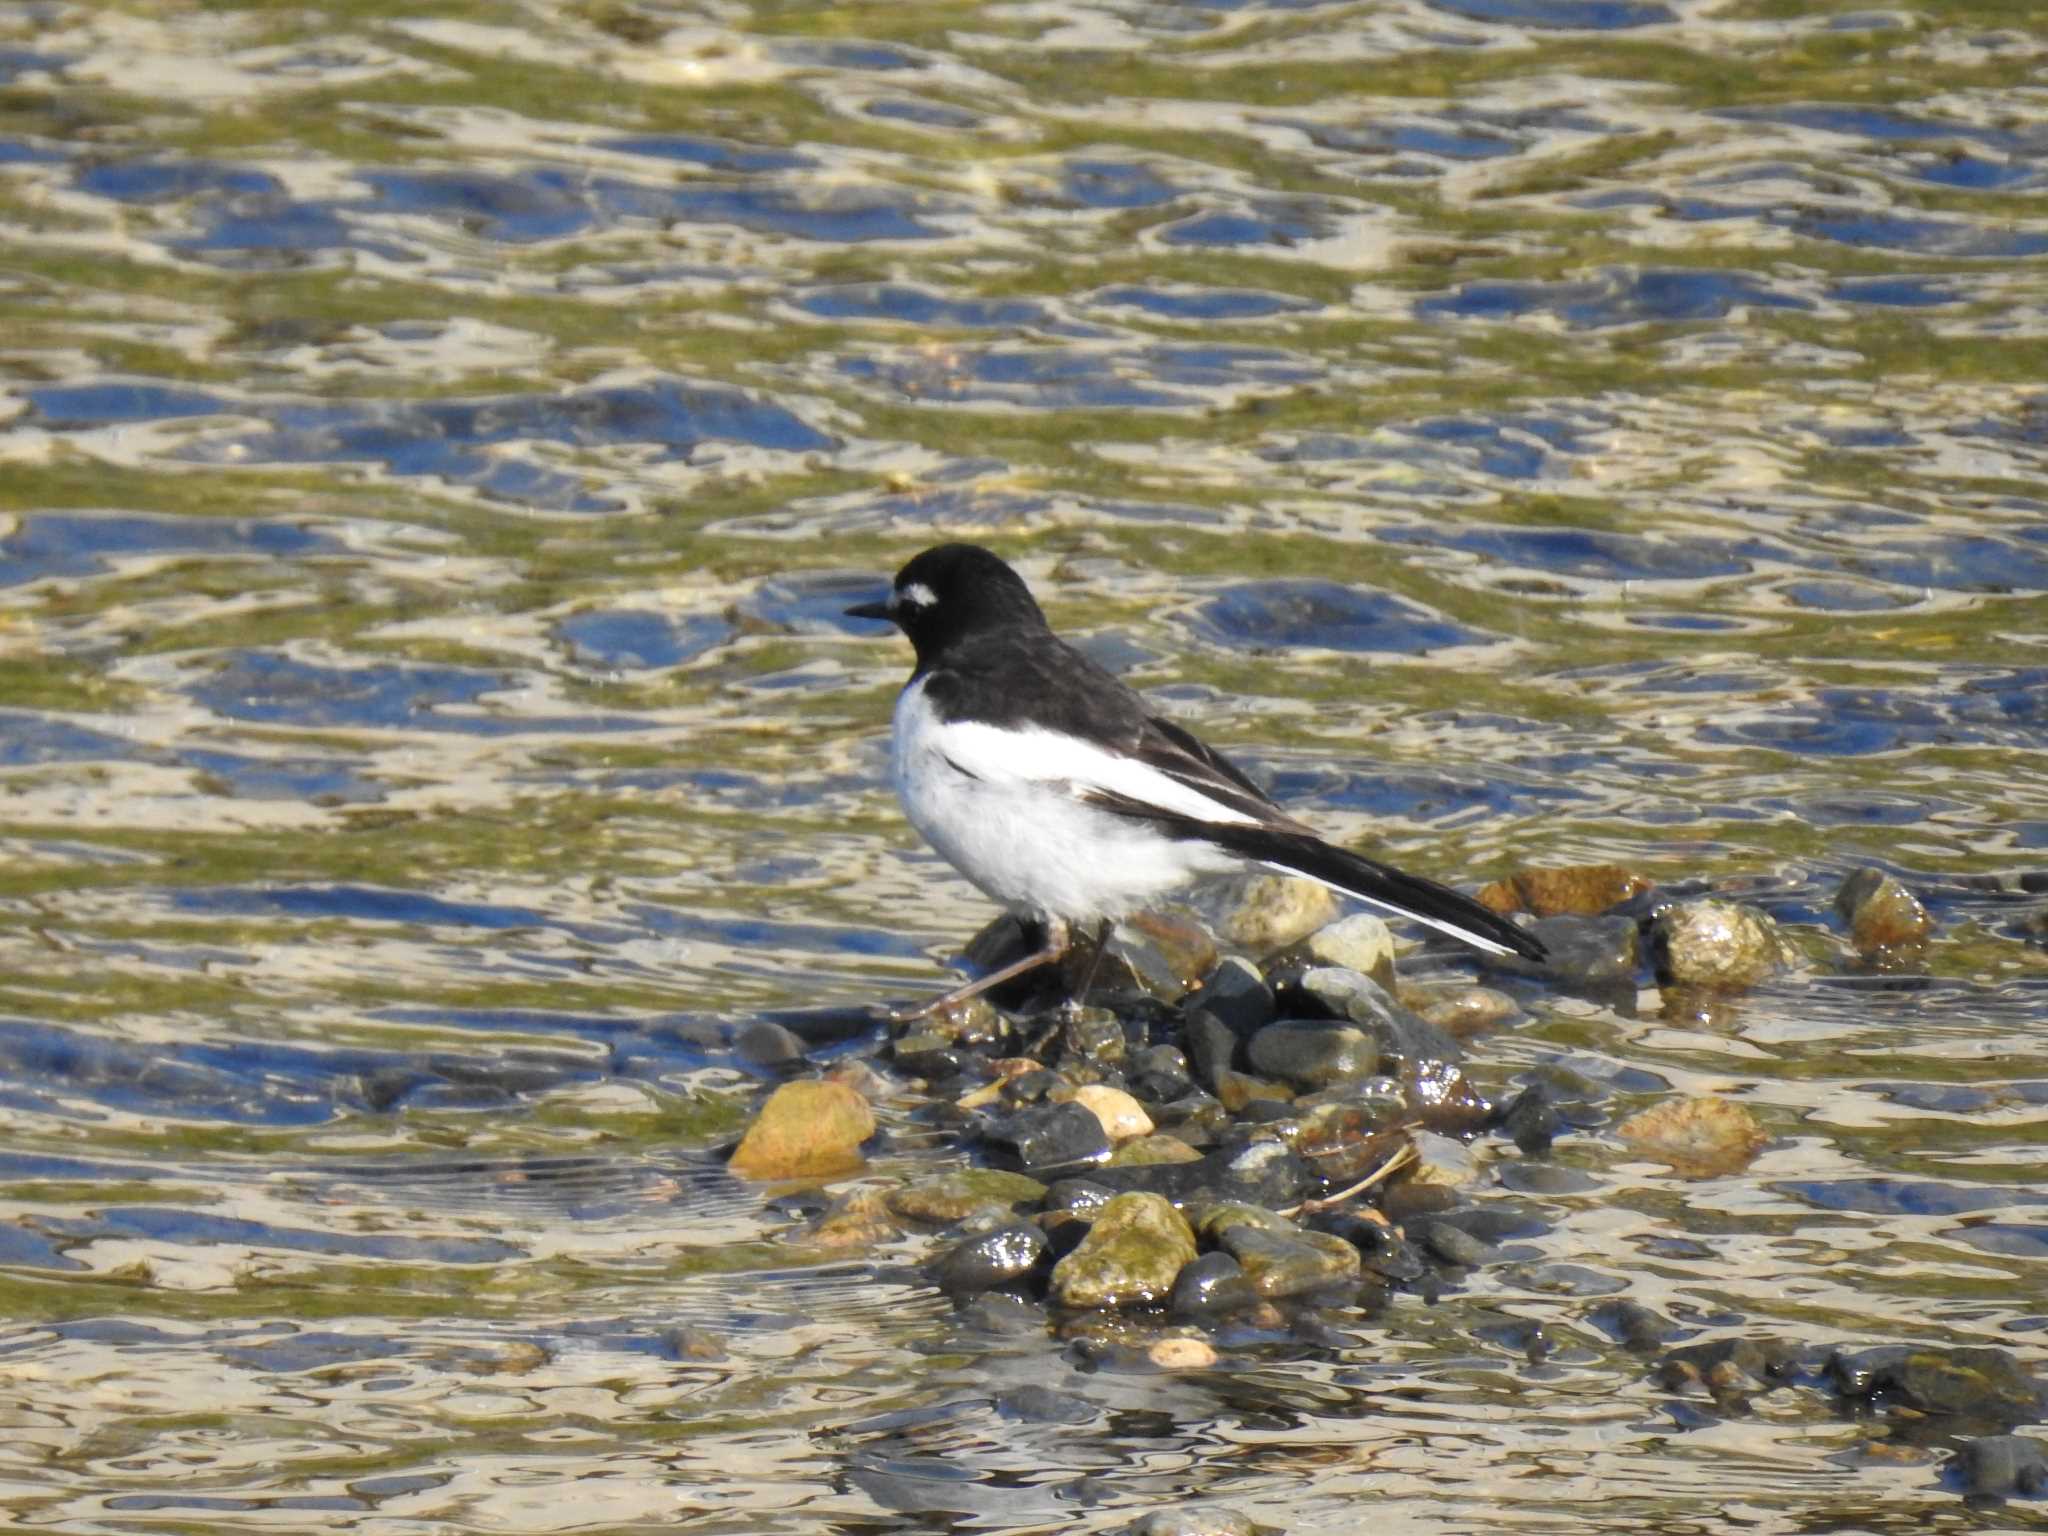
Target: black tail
(1439, 906)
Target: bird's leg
(1058, 940)
(1080, 994)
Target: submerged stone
(1590, 951)
(1210, 1286)
(949, 1197)
(805, 1130)
(1699, 1138)
(1582, 890)
(1130, 1257)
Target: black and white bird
(1053, 788)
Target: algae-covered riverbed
(437, 445)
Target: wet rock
(1145, 1151)
(1180, 1353)
(947, 1198)
(1178, 950)
(1045, 1405)
(1698, 1137)
(1442, 1161)
(1727, 1368)
(2000, 1466)
(986, 1260)
(766, 1044)
(1634, 1326)
(1212, 1285)
(1264, 1173)
(1402, 1201)
(1443, 1100)
(1716, 944)
(1311, 1054)
(1045, 1138)
(1884, 917)
(1459, 1011)
(1191, 1522)
(859, 1219)
(687, 1343)
(1589, 952)
(1273, 911)
(1360, 942)
(1237, 995)
(806, 1130)
(1238, 1091)
(1534, 1178)
(1130, 1257)
(1003, 1316)
(1212, 1045)
(1578, 890)
(1159, 1073)
(1381, 1250)
(1122, 1116)
(1092, 1038)
(1973, 1382)
(1531, 1120)
(1452, 1244)
(1564, 1280)
(1083, 1197)
(1281, 1264)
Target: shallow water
(439, 441)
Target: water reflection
(443, 789)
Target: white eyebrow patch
(917, 594)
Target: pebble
(1143, 1151)
(1716, 944)
(989, 1259)
(805, 1130)
(1998, 1466)
(1461, 1012)
(1441, 1160)
(947, 1198)
(1580, 889)
(1883, 916)
(1191, 1522)
(1045, 1138)
(1237, 995)
(1180, 1353)
(1273, 911)
(1130, 1257)
(1211, 1285)
(1360, 942)
(1311, 1054)
(1122, 1116)
(1702, 1137)
(1589, 951)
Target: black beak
(871, 611)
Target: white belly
(1028, 843)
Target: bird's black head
(952, 591)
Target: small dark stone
(1727, 1367)
(764, 1043)
(981, 1263)
(1236, 995)
(1083, 1197)
(1998, 1466)
(1159, 1074)
(1527, 1178)
(1031, 1087)
(1045, 1138)
(1531, 1120)
(1449, 1243)
(1384, 1252)
(1313, 1054)
(1212, 1045)
(1210, 1286)
(1045, 1405)
(1405, 1199)
(1003, 1315)
(1634, 1326)
(1590, 951)
(1981, 1383)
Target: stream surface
(437, 443)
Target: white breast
(1002, 806)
